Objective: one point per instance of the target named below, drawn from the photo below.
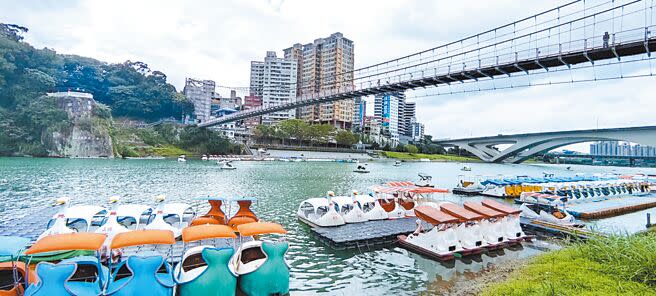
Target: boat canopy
(85, 241)
(142, 237)
(483, 210)
(410, 189)
(221, 198)
(10, 246)
(257, 228)
(85, 212)
(175, 209)
(531, 180)
(433, 215)
(364, 198)
(400, 183)
(459, 212)
(318, 202)
(495, 205)
(208, 231)
(135, 211)
(342, 200)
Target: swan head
(62, 200)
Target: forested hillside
(127, 90)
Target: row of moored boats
(444, 229)
(84, 252)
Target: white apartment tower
(274, 80)
(409, 118)
(200, 93)
(324, 65)
(388, 109)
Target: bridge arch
(524, 146)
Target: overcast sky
(218, 39)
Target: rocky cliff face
(89, 134)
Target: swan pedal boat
(15, 275)
(319, 212)
(80, 275)
(255, 268)
(541, 207)
(463, 231)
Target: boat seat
(272, 277)
(205, 220)
(407, 205)
(7, 281)
(215, 279)
(146, 273)
(239, 220)
(388, 206)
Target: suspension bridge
(578, 34)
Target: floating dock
(366, 234)
(611, 207)
(535, 226)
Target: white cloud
(218, 39)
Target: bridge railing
(573, 32)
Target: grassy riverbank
(623, 265)
(435, 157)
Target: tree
(346, 138)
(324, 131)
(264, 132)
(411, 148)
(13, 32)
(294, 128)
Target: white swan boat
(349, 209)
(371, 207)
(182, 158)
(70, 219)
(171, 216)
(547, 208)
(319, 212)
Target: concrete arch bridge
(525, 146)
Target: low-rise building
(251, 102)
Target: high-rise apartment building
(359, 114)
(614, 148)
(388, 110)
(274, 80)
(324, 65)
(417, 131)
(409, 118)
(200, 93)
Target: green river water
(28, 186)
